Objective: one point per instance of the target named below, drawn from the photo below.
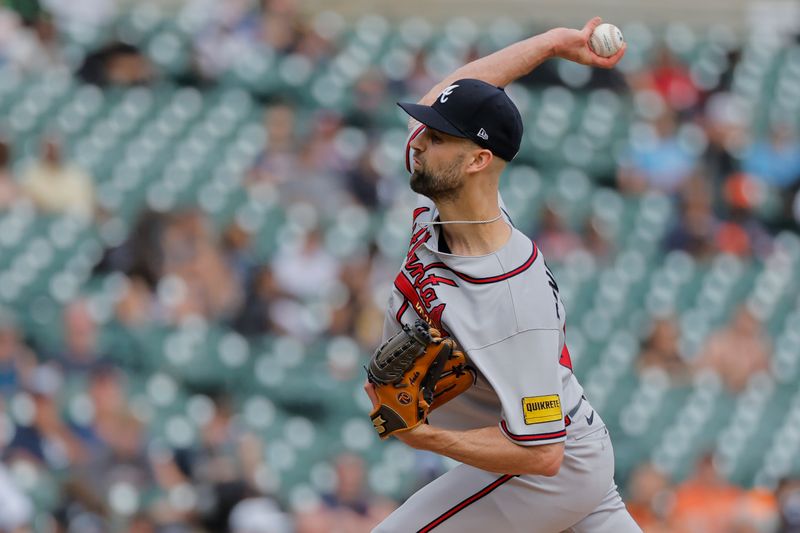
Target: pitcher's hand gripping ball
(606, 40)
(415, 372)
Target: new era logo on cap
(474, 110)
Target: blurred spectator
(660, 350)
(16, 509)
(314, 520)
(137, 306)
(553, 236)
(9, 191)
(363, 181)
(788, 497)
(757, 512)
(225, 466)
(705, 502)
(319, 178)
(369, 98)
(358, 316)
(303, 268)
(107, 394)
(233, 28)
(725, 125)
(650, 497)
(17, 361)
(170, 513)
(742, 233)
(195, 279)
(695, 231)
(219, 436)
(596, 240)
(671, 79)
(277, 163)
(141, 523)
(316, 42)
(259, 515)
(116, 64)
(320, 150)
(352, 509)
(140, 256)
(770, 178)
(774, 161)
(81, 347)
(119, 459)
(658, 160)
(230, 29)
(264, 303)
(58, 186)
(280, 24)
(237, 251)
(420, 79)
(737, 351)
(46, 439)
(30, 45)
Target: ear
(480, 160)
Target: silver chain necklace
(440, 222)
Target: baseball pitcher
(475, 340)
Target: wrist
(415, 437)
(550, 38)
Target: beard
(441, 185)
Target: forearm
(517, 60)
(502, 67)
(487, 449)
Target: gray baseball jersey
(504, 310)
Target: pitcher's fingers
(590, 26)
(608, 62)
(369, 388)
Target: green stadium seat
(169, 51)
(138, 25)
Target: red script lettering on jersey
(416, 283)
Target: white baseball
(606, 40)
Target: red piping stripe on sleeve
(532, 438)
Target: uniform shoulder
(535, 294)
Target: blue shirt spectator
(658, 158)
(776, 161)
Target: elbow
(546, 461)
(551, 467)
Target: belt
(574, 411)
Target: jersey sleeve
(390, 324)
(523, 371)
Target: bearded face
(438, 183)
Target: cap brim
(431, 118)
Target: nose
(417, 142)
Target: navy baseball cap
(474, 110)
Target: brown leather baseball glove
(413, 373)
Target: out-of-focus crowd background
(202, 208)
